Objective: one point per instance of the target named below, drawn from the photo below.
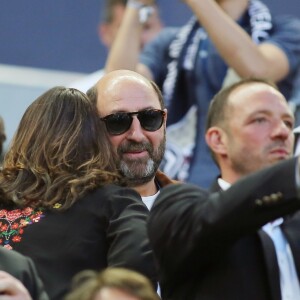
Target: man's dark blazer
(209, 246)
(22, 268)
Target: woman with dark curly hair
(61, 199)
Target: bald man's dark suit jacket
(22, 268)
(209, 246)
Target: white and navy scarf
(184, 49)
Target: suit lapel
(215, 187)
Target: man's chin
(136, 182)
(279, 158)
(138, 174)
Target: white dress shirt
(149, 200)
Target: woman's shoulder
(111, 195)
(12, 256)
(113, 190)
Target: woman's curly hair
(60, 151)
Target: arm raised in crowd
(190, 228)
(219, 19)
(234, 44)
(124, 53)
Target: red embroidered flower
(27, 211)
(14, 225)
(13, 222)
(16, 238)
(14, 214)
(3, 227)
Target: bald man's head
(132, 108)
(109, 84)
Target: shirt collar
(224, 185)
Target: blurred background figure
(111, 18)
(294, 100)
(111, 284)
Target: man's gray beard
(141, 171)
(138, 178)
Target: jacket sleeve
(128, 243)
(33, 283)
(190, 228)
(23, 268)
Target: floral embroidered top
(13, 222)
(88, 235)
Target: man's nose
(282, 130)
(136, 131)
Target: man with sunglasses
(133, 111)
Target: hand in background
(143, 2)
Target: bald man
(135, 117)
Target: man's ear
(216, 139)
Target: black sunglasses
(118, 123)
